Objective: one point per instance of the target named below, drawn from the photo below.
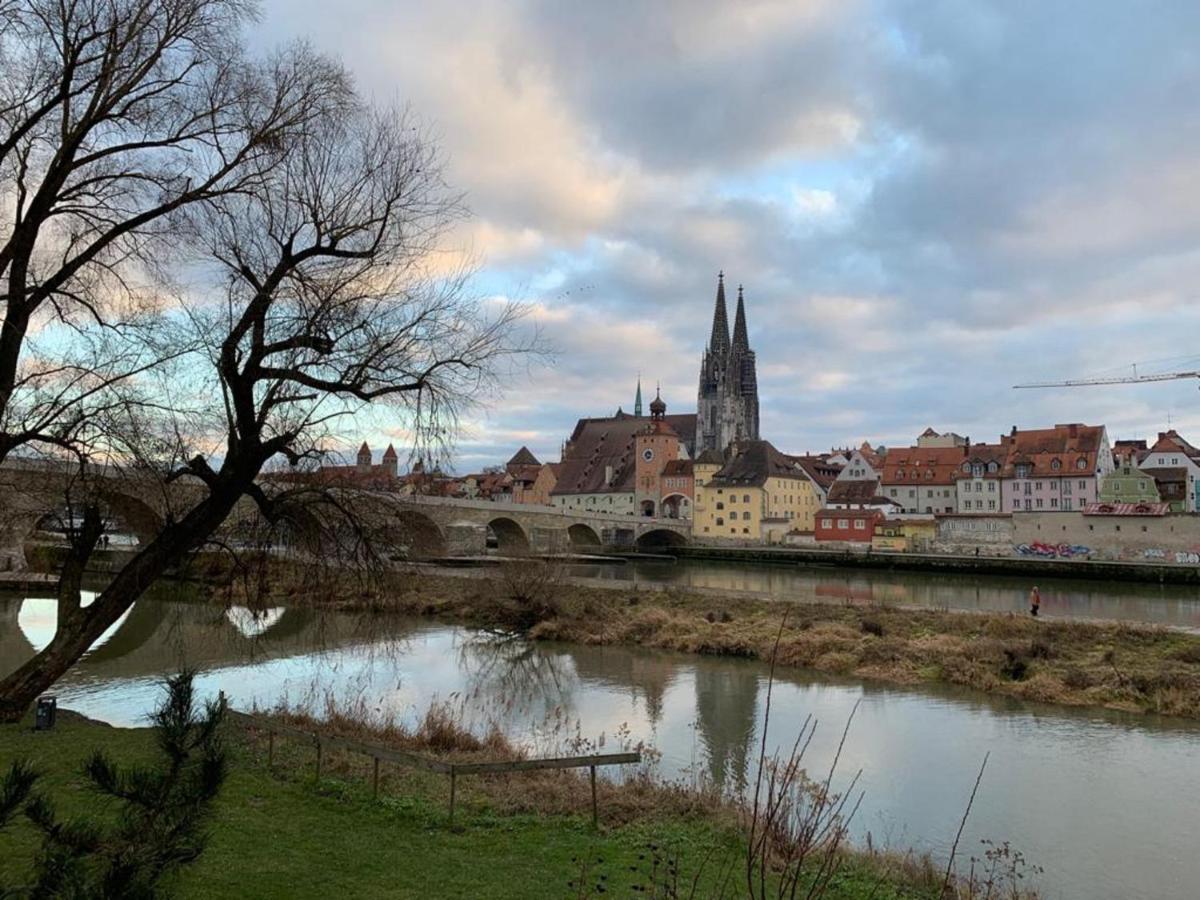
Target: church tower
(727, 405)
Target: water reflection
(1154, 603)
(1103, 800)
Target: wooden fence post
(452, 779)
(375, 780)
(595, 806)
(318, 759)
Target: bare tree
(115, 115)
(328, 300)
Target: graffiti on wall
(1061, 551)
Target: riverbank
(1035, 567)
(1114, 665)
(278, 832)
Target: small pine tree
(164, 809)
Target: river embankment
(1102, 664)
(1075, 567)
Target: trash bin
(47, 711)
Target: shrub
(162, 812)
(1014, 667)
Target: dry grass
(1122, 666)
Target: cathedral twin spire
(727, 409)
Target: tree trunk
(78, 629)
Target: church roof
(597, 444)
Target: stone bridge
(440, 526)
(33, 495)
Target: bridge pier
(465, 539)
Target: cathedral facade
(727, 406)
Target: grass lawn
(281, 834)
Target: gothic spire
(637, 401)
(719, 342)
(741, 340)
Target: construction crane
(1121, 379)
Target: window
(1028, 506)
(720, 521)
(891, 492)
(827, 523)
(1039, 485)
(1066, 487)
(912, 493)
(1028, 487)
(1081, 464)
(1056, 464)
(859, 524)
(733, 498)
(1023, 470)
(991, 487)
(1039, 502)
(746, 516)
(745, 531)
(720, 505)
(899, 474)
(993, 466)
(991, 505)
(966, 467)
(979, 504)
(1016, 503)
(1083, 485)
(746, 498)
(843, 523)
(1054, 503)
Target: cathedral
(727, 407)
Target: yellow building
(903, 535)
(757, 494)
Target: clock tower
(654, 446)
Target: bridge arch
(510, 536)
(660, 538)
(676, 506)
(582, 536)
(419, 534)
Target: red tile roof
(1126, 509)
(1054, 451)
(922, 465)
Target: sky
(927, 202)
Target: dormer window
(899, 474)
(1023, 470)
(992, 467)
(966, 467)
(1056, 464)
(977, 469)
(1081, 463)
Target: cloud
(926, 201)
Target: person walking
(1035, 601)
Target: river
(1159, 604)
(1105, 802)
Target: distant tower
(727, 405)
(364, 457)
(655, 445)
(637, 401)
(391, 462)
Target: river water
(1105, 802)
(1162, 604)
